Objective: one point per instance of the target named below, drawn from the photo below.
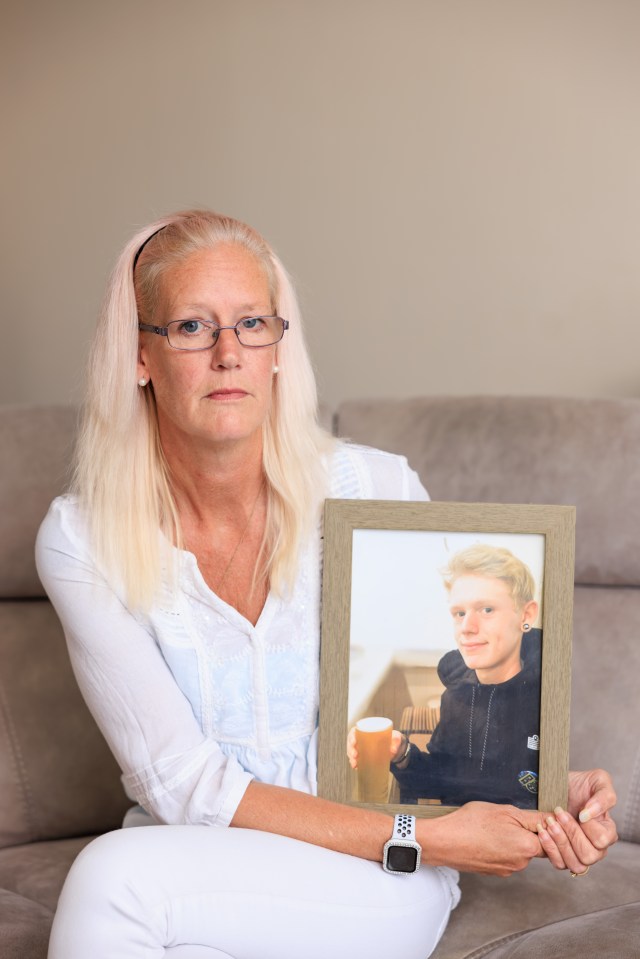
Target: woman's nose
(227, 350)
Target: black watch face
(402, 858)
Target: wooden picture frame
(435, 528)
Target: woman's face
(488, 626)
(217, 396)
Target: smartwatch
(402, 852)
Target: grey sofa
(59, 784)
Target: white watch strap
(404, 827)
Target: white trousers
(200, 892)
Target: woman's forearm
(287, 812)
(478, 837)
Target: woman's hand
(398, 746)
(481, 837)
(579, 837)
(591, 796)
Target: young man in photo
(486, 744)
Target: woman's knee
(103, 901)
(105, 865)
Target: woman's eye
(252, 323)
(191, 326)
(487, 609)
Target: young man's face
(488, 626)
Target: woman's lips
(226, 395)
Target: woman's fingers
(558, 847)
(576, 843)
(591, 794)
(601, 832)
(566, 844)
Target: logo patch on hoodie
(529, 780)
(533, 742)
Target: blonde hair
(122, 479)
(496, 563)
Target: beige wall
(455, 184)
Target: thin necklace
(238, 544)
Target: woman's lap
(199, 892)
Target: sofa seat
(496, 917)
(25, 926)
(31, 877)
(610, 932)
(36, 871)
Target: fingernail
(561, 814)
(550, 821)
(589, 812)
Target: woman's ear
(142, 369)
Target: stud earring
(142, 382)
(526, 627)
(276, 369)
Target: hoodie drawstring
(473, 702)
(486, 728)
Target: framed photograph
(446, 654)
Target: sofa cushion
(31, 878)
(493, 911)
(610, 932)
(524, 450)
(24, 927)
(57, 775)
(36, 444)
(605, 705)
(36, 871)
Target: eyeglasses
(193, 335)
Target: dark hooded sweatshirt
(486, 745)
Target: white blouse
(193, 700)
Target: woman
(185, 568)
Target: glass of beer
(373, 739)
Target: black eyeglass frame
(215, 333)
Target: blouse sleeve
(362, 472)
(169, 766)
